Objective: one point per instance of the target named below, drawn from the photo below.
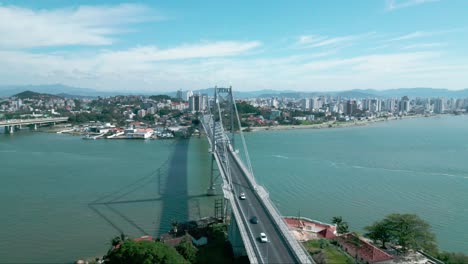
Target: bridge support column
(235, 238)
(211, 190)
(10, 129)
(34, 127)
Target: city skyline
(308, 46)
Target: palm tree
(341, 226)
(337, 220)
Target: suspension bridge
(237, 176)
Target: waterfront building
(439, 105)
(350, 107)
(390, 105)
(375, 105)
(365, 104)
(459, 104)
(310, 117)
(314, 103)
(405, 104)
(275, 114)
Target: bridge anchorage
(237, 176)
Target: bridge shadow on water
(168, 203)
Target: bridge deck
(276, 250)
(17, 122)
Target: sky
(313, 45)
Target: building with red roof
(363, 251)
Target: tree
(187, 250)
(411, 232)
(341, 226)
(379, 231)
(144, 252)
(406, 230)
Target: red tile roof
(326, 233)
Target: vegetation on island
(144, 252)
(408, 231)
(218, 250)
(322, 251)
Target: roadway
(277, 249)
(17, 122)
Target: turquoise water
(364, 173)
(64, 198)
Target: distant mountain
(67, 91)
(34, 95)
(75, 92)
(421, 92)
(49, 89)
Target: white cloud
(84, 25)
(314, 41)
(398, 4)
(159, 70)
(421, 34)
(424, 45)
(193, 51)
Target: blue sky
(315, 45)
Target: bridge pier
(10, 129)
(234, 236)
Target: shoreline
(335, 124)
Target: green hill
(34, 95)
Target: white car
(242, 196)
(263, 238)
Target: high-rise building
(350, 107)
(188, 95)
(198, 103)
(306, 104)
(390, 105)
(405, 104)
(180, 95)
(366, 104)
(375, 105)
(439, 105)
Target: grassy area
(331, 254)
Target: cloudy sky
(313, 45)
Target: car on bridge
(263, 238)
(242, 196)
(254, 220)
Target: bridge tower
(223, 110)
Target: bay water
(64, 198)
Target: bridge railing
(244, 229)
(296, 246)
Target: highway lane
(276, 250)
